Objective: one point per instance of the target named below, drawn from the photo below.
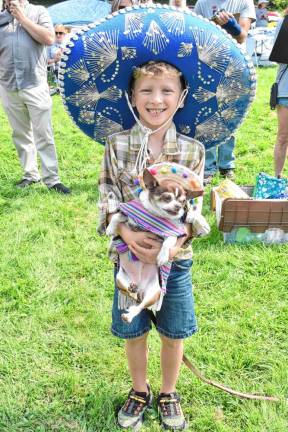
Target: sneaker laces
(135, 403)
(169, 404)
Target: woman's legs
(280, 150)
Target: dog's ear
(194, 194)
(149, 181)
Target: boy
(157, 93)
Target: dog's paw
(163, 257)
(131, 313)
(126, 318)
(110, 230)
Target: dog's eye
(166, 198)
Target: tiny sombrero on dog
(99, 60)
(181, 175)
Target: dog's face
(168, 200)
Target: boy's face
(156, 98)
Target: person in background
(281, 146)
(262, 14)
(25, 30)
(55, 51)
(222, 157)
(179, 3)
(121, 4)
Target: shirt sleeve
(110, 193)
(44, 18)
(197, 9)
(248, 10)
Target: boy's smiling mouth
(156, 110)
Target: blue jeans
(225, 157)
(176, 318)
(282, 101)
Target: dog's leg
(129, 276)
(149, 290)
(117, 218)
(163, 256)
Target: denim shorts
(176, 318)
(282, 101)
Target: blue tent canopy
(75, 12)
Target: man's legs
(226, 157)
(281, 146)
(210, 161)
(22, 135)
(38, 102)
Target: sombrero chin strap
(143, 154)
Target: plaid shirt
(116, 183)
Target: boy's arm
(110, 194)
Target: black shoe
(227, 173)
(208, 178)
(60, 188)
(25, 183)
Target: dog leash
(198, 373)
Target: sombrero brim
(97, 64)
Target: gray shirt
(23, 60)
(282, 73)
(208, 8)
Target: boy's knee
(137, 340)
(171, 343)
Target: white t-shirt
(208, 8)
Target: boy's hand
(139, 237)
(147, 254)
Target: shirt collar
(170, 146)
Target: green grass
(61, 369)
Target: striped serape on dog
(145, 221)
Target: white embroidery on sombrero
(86, 117)
(155, 39)
(212, 129)
(231, 113)
(78, 72)
(128, 53)
(211, 49)
(185, 49)
(203, 95)
(229, 91)
(133, 25)
(101, 51)
(88, 96)
(102, 125)
(174, 22)
(235, 69)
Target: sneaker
(25, 183)
(60, 188)
(227, 173)
(131, 415)
(171, 414)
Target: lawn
(62, 370)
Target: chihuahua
(165, 202)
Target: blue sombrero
(97, 64)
